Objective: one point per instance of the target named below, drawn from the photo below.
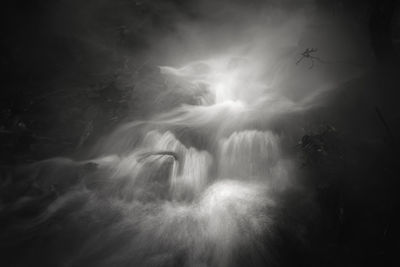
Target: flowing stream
(193, 186)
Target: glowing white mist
(165, 198)
(229, 79)
(154, 195)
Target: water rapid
(193, 186)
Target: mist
(199, 133)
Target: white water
(155, 197)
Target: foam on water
(151, 197)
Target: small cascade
(248, 154)
(190, 171)
(193, 177)
(152, 196)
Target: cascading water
(155, 198)
(248, 154)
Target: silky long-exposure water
(194, 186)
(187, 133)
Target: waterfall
(151, 197)
(248, 154)
(189, 173)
